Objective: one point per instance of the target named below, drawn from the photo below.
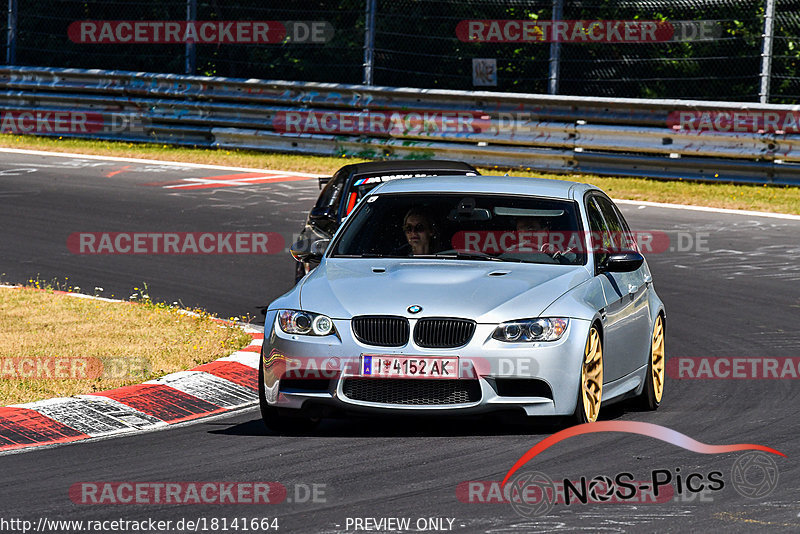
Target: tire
(590, 390)
(652, 393)
(277, 420)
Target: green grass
(783, 199)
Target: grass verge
(55, 345)
(745, 197)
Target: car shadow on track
(414, 426)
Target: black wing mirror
(317, 213)
(311, 252)
(621, 262)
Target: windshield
(482, 227)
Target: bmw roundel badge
(414, 309)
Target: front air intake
(443, 332)
(381, 330)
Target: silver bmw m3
(441, 294)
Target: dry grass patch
(76, 346)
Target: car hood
(483, 291)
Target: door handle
(632, 289)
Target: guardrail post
(191, 51)
(555, 50)
(369, 39)
(11, 36)
(766, 51)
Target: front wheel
(276, 419)
(650, 397)
(590, 393)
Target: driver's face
(531, 224)
(418, 234)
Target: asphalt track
(739, 298)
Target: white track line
(148, 161)
(689, 207)
(247, 169)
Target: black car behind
(345, 188)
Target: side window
(614, 225)
(620, 233)
(631, 243)
(601, 241)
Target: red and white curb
(229, 383)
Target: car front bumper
(326, 363)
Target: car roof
(407, 165)
(512, 185)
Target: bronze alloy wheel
(592, 377)
(653, 389)
(657, 359)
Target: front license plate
(382, 366)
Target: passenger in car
(420, 232)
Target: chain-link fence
(697, 49)
(71, 33)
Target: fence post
(555, 50)
(11, 36)
(766, 52)
(369, 40)
(191, 51)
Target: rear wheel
(650, 397)
(277, 420)
(590, 393)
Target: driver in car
(532, 234)
(535, 234)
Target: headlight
(542, 329)
(306, 323)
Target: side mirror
(317, 213)
(622, 262)
(302, 251)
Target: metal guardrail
(629, 137)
